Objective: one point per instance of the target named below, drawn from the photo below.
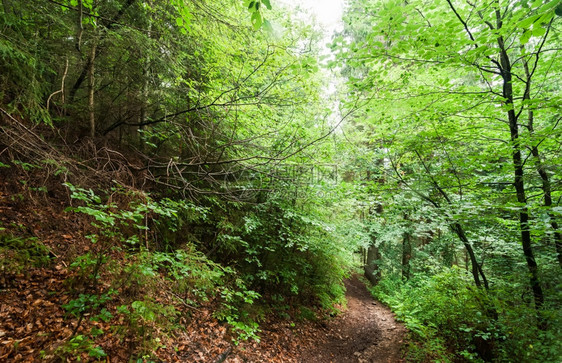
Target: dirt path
(366, 332)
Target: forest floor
(367, 332)
(34, 325)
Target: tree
(448, 88)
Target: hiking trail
(366, 332)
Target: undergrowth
(142, 266)
(450, 320)
(146, 268)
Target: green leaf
(525, 37)
(526, 23)
(267, 4)
(536, 3)
(257, 20)
(539, 32)
(96, 352)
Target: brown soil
(366, 332)
(32, 318)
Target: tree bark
(519, 183)
(406, 256)
(108, 24)
(372, 267)
(476, 269)
(144, 93)
(457, 228)
(91, 89)
(545, 179)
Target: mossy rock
(17, 254)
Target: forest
(204, 180)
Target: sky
(328, 12)
(329, 16)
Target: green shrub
(452, 321)
(78, 345)
(289, 251)
(449, 317)
(143, 322)
(237, 312)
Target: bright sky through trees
(328, 13)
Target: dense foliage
(460, 140)
(193, 150)
(189, 137)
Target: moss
(18, 253)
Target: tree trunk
(91, 89)
(457, 228)
(145, 85)
(372, 267)
(545, 179)
(519, 182)
(476, 269)
(107, 23)
(406, 256)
